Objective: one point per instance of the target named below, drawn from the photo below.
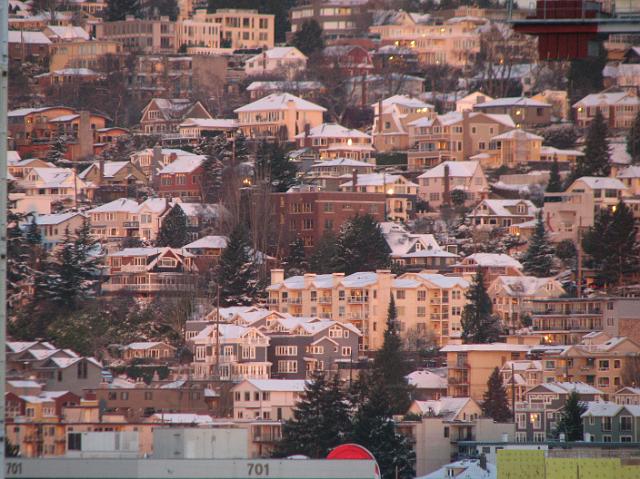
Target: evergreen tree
(596, 159)
(555, 182)
(236, 271)
(320, 420)
(374, 428)
(118, 9)
(273, 165)
(611, 245)
(326, 249)
(295, 263)
(390, 366)
(19, 270)
(479, 325)
(309, 38)
(173, 231)
(56, 152)
(496, 405)
(217, 150)
(633, 140)
(361, 246)
(570, 423)
(538, 259)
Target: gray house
(72, 374)
(611, 422)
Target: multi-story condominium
(425, 302)
(308, 212)
(492, 265)
(619, 108)
(519, 376)
(567, 320)
(166, 76)
(611, 422)
(491, 214)
(53, 228)
(512, 296)
(140, 35)
(302, 347)
(199, 31)
(279, 116)
(414, 251)
(147, 272)
(266, 399)
(525, 112)
(331, 141)
(164, 115)
(572, 212)
(286, 62)
(83, 54)
(338, 18)
(330, 174)
(437, 183)
(456, 42)
(454, 136)
(392, 117)
(470, 365)
(241, 28)
(538, 415)
(599, 360)
(401, 194)
(181, 179)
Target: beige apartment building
(391, 119)
(437, 183)
(278, 116)
(454, 136)
(470, 365)
(140, 35)
(456, 42)
(425, 302)
(81, 54)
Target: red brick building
(182, 178)
(309, 213)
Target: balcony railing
(324, 299)
(131, 224)
(358, 299)
(295, 300)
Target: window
(422, 295)
(328, 207)
(606, 423)
(82, 370)
(74, 441)
(148, 395)
(124, 396)
(603, 365)
(286, 350)
(421, 312)
(626, 423)
(445, 432)
(288, 366)
(346, 351)
(247, 396)
(400, 294)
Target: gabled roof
(463, 169)
(522, 285)
(404, 100)
(36, 38)
(278, 53)
(517, 134)
(142, 346)
(512, 101)
(69, 32)
(333, 130)
(609, 409)
(208, 242)
(608, 98)
(120, 205)
(427, 380)
(378, 179)
(445, 407)
(174, 108)
(596, 182)
(280, 101)
(278, 385)
(53, 177)
(111, 168)
(341, 162)
(568, 387)
(55, 219)
(501, 207)
(492, 260)
(184, 164)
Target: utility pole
(579, 272)
(217, 375)
(513, 391)
(4, 76)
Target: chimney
(277, 276)
(354, 178)
(307, 140)
(85, 135)
(156, 162)
(446, 194)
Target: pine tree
(538, 259)
(596, 159)
(374, 428)
(555, 182)
(173, 231)
(570, 423)
(390, 366)
(496, 405)
(320, 420)
(361, 246)
(57, 151)
(273, 165)
(19, 253)
(217, 152)
(479, 325)
(633, 140)
(611, 245)
(309, 38)
(118, 9)
(295, 263)
(236, 271)
(326, 249)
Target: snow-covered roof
(202, 210)
(280, 101)
(69, 32)
(406, 101)
(143, 251)
(378, 179)
(632, 171)
(13, 157)
(208, 242)
(210, 122)
(142, 346)
(501, 207)
(284, 85)
(111, 168)
(155, 205)
(55, 219)
(465, 169)
(20, 346)
(522, 285)
(598, 183)
(461, 348)
(342, 162)
(360, 280)
(333, 130)
(21, 36)
(278, 53)
(492, 260)
(608, 98)
(567, 387)
(185, 164)
(183, 418)
(517, 134)
(511, 101)
(427, 380)
(464, 469)
(446, 406)
(278, 385)
(120, 205)
(550, 151)
(442, 281)
(24, 383)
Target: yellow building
(84, 54)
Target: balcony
(295, 300)
(324, 299)
(358, 299)
(526, 406)
(273, 301)
(229, 358)
(131, 225)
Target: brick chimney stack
(354, 178)
(446, 194)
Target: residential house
(162, 76)
(24, 45)
(114, 179)
(152, 160)
(146, 272)
(330, 141)
(201, 217)
(267, 399)
(519, 376)
(307, 212)
(428, 385)
(164, 115)
(367, 89)
(196, 128)
(400, 193)
(550, 153)
(280, 115)
(153, 350)
(466, 103)
(140, 35)
(112, 220)
(627, 395)
(56, 185)
(181, 179)
(515, 147)
(351, 60)
(15, 350)
(414, 251)
(610, 422)
(437, 183)
(538, 415)
(425, 302)
(526, 112)
(571, 212)
(230, 352)
(470, 365)
(338, 18)
(72, 374)
(454, 136)
(619, 108)
(392, 117)
(329, 174)
(512, 296)
(465, 468)
(491, 214)
(57, 79)
(206, 251)
(491, 265)
(623, 76)
(284, 62)
(54, 228)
